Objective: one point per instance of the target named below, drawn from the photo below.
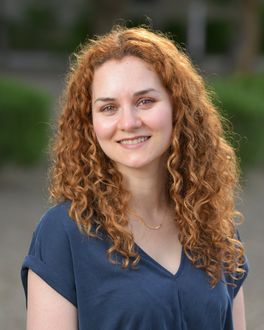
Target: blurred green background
(225, 40)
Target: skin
(125, 108)
(122, 110)
(47, 309)
(239, 318)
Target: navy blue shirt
(109, 298)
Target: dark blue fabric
(109, 297)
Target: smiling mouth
(134, 141)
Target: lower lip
(134, 146)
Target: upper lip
(133, 138)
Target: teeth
(135, 141)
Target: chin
(135, 164)
(132, 165)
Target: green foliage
(178, 31)
(240, 98)
(36, 30)
(23, 122)
(81, 29)
(40, 29)
(218, 36)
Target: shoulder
(55, 231)
(56, 220)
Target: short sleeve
(49, 255)
(245, 266)
(239, 279)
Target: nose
(129, 119)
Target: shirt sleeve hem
(49, 276)
(241, 281)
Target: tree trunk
(196, 30)
(3, 34)
(247, 36)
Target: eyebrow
(107, 99)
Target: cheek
(162, 121)
(104, 129)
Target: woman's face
(132, 113)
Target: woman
(142, 234)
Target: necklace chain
(150, 226)
(155, 227)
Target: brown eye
(145, 101)
(108, 108)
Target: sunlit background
(225, 40)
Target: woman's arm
(239, 311)
(47, 309)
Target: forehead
(128, 60)
(129, 72)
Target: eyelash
(148, 99)
(104, 109)
(145, 100)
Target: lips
(140, 138)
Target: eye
(108, 108)
(145, 102)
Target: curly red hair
(203, 172)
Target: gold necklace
(156, 227)
(149, 226)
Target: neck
(149, 197)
